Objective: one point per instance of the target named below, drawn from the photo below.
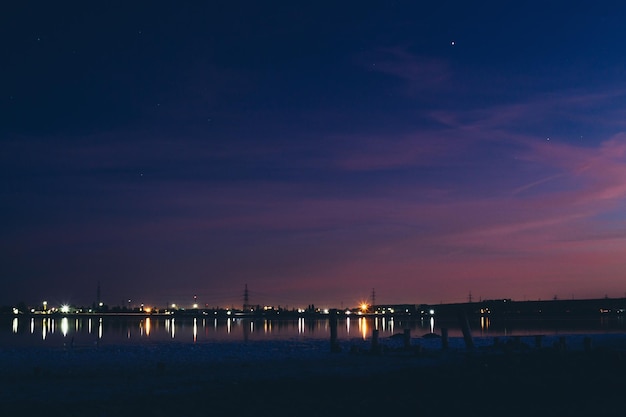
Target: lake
(58, 331)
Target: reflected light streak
(228, 324)
(363, 327)
(300, 325)
(100, 328)
(432, 325)
(251, 327)
(348, 325)
(89, 326)
(173, 328)
(44, 329)
(15, 325)
(391, 325)
(195, 330)
(484, 323)
(32, 325)
(148, 325)
(64, 326)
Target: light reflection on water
(65, 327)
(112, 330)
(363, 327)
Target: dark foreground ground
(536, 383)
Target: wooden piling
(562, 344)
(332, 320)
(407, 338)
(444, 338)
(587, 343)
(467, 333)
(375, 346)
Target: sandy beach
(306, 379)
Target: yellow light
(364, 307)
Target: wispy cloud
(418, 72)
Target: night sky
(312, 150)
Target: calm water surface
(85, 331)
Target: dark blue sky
(313, 151)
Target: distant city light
(65, 308)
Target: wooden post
(444, 338)
(407, 338)
(332, 320)
(562, 344)
(375, 340)
(587, 344)
(467, 333)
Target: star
(452, 43)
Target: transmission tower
(246, 299)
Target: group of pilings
(515, 343)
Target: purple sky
(312, 152)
